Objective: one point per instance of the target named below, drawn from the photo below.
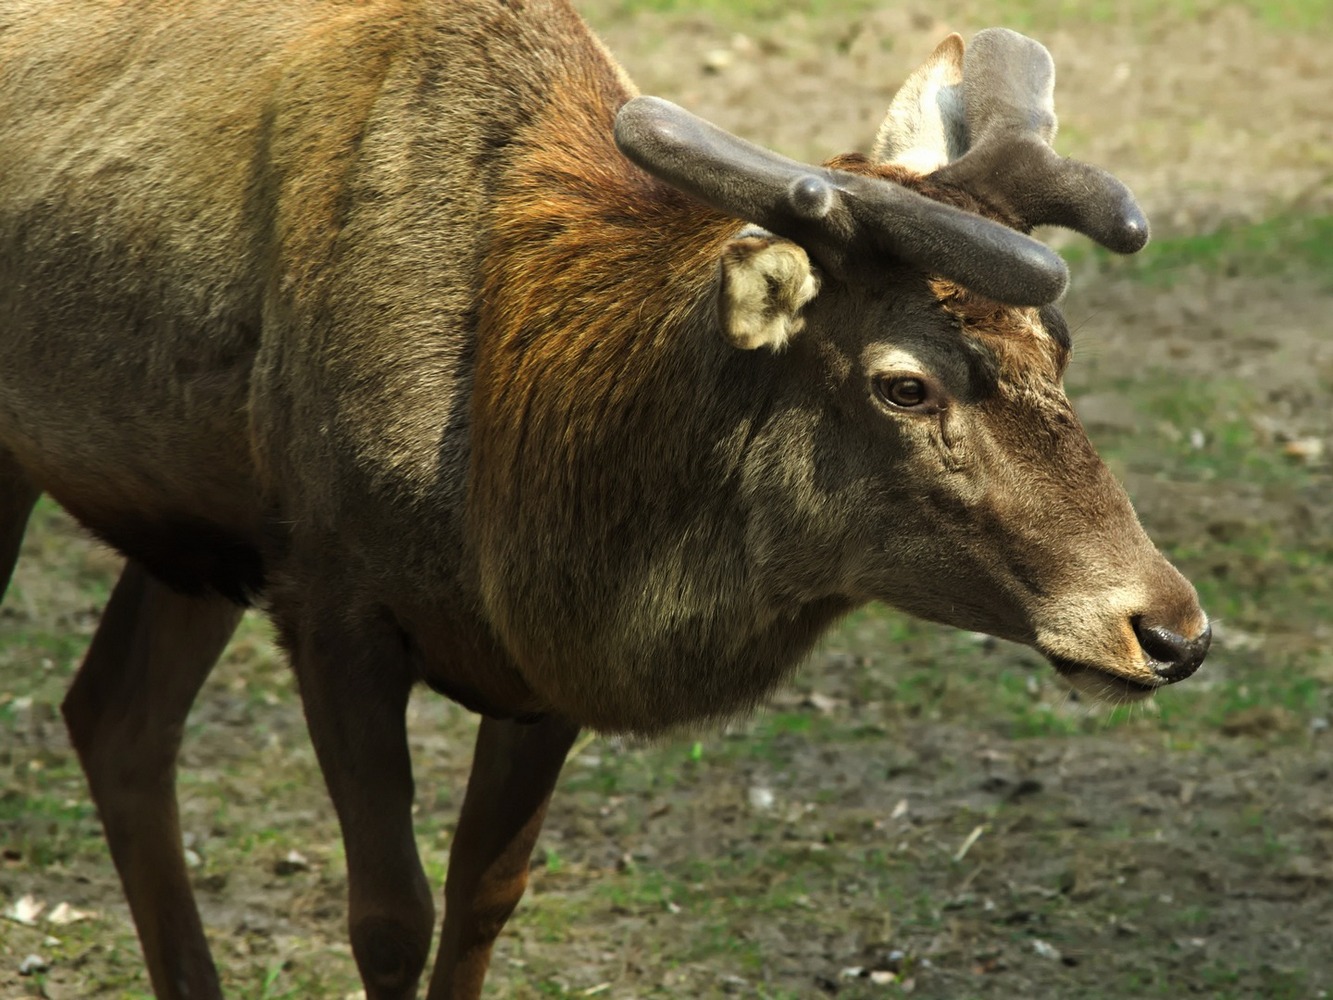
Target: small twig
(972, 838)
(971, 877)
(582, 743)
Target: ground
(922, 811)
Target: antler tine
(1008, 90)
(848, 223)
(1008, 86)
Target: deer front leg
(126, 713)
(513, 773)
(17, 495)
(355, 689)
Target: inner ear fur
(766, 282)
(926, 127)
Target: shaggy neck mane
(610, 422)
(598, 317)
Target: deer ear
(766, 282)
(926, 126)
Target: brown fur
(358, 305)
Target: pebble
(33, 965)
(717, 60)
(762, 798)
(1307, 450)
(294, 862)
(1046, 950)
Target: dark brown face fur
(947, 450)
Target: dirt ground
(922, 812)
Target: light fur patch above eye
(897, 360)
(766, 282)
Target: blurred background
(921, 811)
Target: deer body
(360, 309)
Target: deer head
(925, 453)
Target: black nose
(1173, 656)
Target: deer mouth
(1101, 683)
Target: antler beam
(848, 223)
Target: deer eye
(904, 391)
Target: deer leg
(17, 495)
(514, 771)
(355, 699)
(126, 714)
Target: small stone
(822, 703)
(25, 909)
(762, 798)
(294, 862)
(33, 965)
(1307, 450)
(65, 914)
(1046, 950)
(743, 45)
(717, 60)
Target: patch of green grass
(633, 771)
(279, 979)
(1303, 696)
(730, 11)
(1030, 714)
(1251, 571)
(1236, 982)
(720, 899)
(1277, 14)
(1299, 14)
(49, 820)
(48, 650)
(1018, 14)
(940, 674)
(1290, 245)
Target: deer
(418, 327)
